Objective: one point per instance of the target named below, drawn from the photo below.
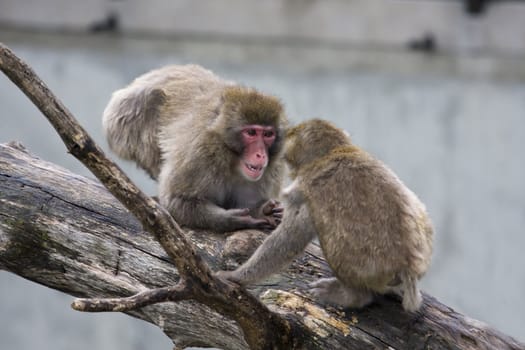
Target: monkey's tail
(411, 295)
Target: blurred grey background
(435, 88)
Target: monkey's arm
(203, 214)
(278, 249)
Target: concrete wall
(452, 125)
(357, 22)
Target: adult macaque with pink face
(213, 146)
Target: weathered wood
(262, 329)
(68, 233)
(78, 239)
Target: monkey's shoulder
(364, 184)
(177, 74)
(179, 90)
(342, 164)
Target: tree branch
(152, 216)
(67, 232)
(148, 297)
(262, 328)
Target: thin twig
(148, 297)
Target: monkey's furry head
(249, 106)
(246, 106)
(311, 140)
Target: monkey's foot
(331, 290)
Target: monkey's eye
(250, 132)
(268, 133)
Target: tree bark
(68, 233)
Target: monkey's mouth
(253, 171)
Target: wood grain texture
(68, 233)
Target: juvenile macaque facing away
(374, 232)
(212, 145)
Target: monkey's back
(371, 227)
(179, 100)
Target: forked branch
(152, 296)
(262, 328)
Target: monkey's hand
(242, 219)
(228, 276)
(272, 211)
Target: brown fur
(181, 124)
(374, 232)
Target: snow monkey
(374, 232)
(214, 146)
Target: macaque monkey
(374, 232)
(214, 146)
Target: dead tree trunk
(68, 233)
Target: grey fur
(180, 124)
(278, 249)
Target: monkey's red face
(256, 139)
